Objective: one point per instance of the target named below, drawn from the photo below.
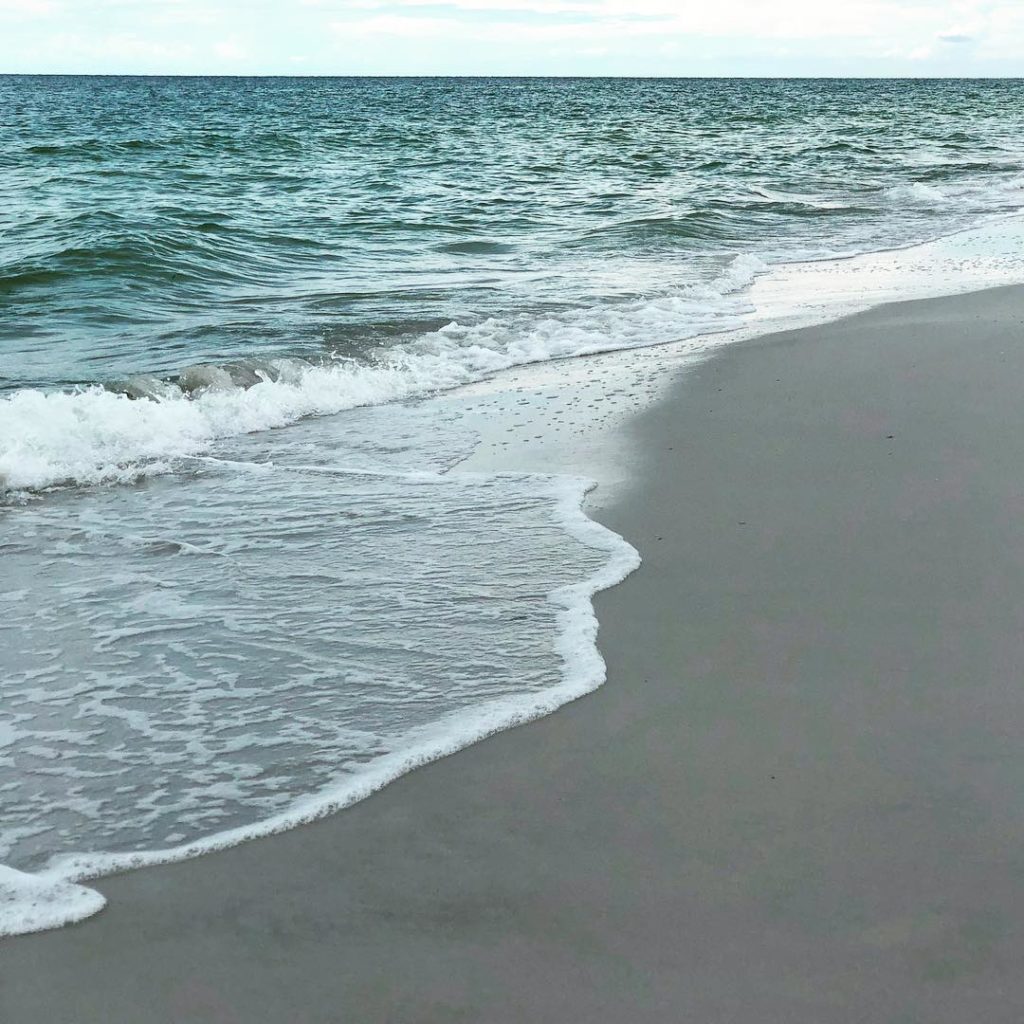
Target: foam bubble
(35, 903)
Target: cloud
(518, 36)
(589, 35)
(397, 25)
(230, 49)
(749, 19)
(30, 8)
(499, 7)
(116, 46)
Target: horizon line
(518, 77)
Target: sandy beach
(797, 800)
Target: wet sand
(799, 799)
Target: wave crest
(95, 434)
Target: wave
(53, 896)
(476, 247)
(917, 193)
(179, 255)
(146, 425)
(953, 170)
(844, 146)
(792, 204)
(697, 226)
(92, 147)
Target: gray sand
(798, 800)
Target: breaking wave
(143, 425)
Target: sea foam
(918, 193)
(93, 435)
(35, 903)
(174, 646)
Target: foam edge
(37, 903)
(54, 898)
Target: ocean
(244, 578)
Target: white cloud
(230, 49)
(782, 19)
(398, 25)
(30, 8)
(502, 7)
(497, 31)
(116, 46)
(478, 36)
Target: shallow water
(270, 633)
(193, 657)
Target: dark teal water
(150, 224)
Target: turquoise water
(150, 224)
(243, 580)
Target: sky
(514, 37)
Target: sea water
(243, 580)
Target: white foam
(804, 294)
(918, 193)
(35, 903)
(91, 435)
(53, 897)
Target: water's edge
(55, 896)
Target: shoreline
(785, 804)
(756, 300)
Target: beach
(796, 799)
